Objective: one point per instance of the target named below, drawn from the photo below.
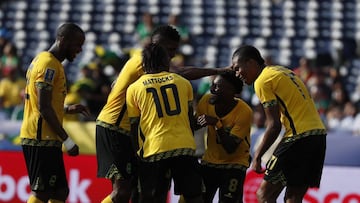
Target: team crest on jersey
(49, 75)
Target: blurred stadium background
(284, 30)
(324, 32)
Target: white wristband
(68, 143)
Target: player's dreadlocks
(155, 58)
(166, 31)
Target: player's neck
(225, 107)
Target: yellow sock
(33, 199)
(107, 200)
(55, 201)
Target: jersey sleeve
(131, 71)
(132, 106)
(46, 72)
(243, 122)
(264, 91)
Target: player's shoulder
(136, 59)
(243, 105)
(46, 60)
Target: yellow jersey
(161, 101)
(279, 85)
(45, 71)
(238, 123)
(114, 114)
(10, 91)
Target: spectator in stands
(186, 49)
(92, 88)
(42, 134)
(4, 39)
(286, 102)
(145, 27)
(349, 113)
(105, 57)
(10, 59)
(304, 70)
(334, 115)
(320, 92)
(227, 155)
(183, 30)
(339, 94)
(11, 91)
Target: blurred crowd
(338, 106)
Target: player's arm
(134, 130)
(193, 73)
(273, 128)
(228, 141)
(193, 124)
(47, 112)
(77, 108)
(134, 117)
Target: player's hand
(226, 69)
(78, 108)
(204, 120)
(256, 165)
(74, 151)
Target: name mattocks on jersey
(49, 75)
(157, 80)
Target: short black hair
(166, 31)
(154, 58)
(247, 52)
(67, 30)
(233, 80)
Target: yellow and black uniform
(10, 93)
(113, 147)
(160, 102)
(114, 114)
(277, 85)
(38, 139)
(230, 168)
(47, 72)
(237, 123)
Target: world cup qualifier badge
(49, 75)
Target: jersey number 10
(163, 90)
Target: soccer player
(42, 133)
(114, 154)
(227, 155)
(298, 160)
(160, 109)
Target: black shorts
(115, 155)
(155, 177)
(45, 167)
(299, 163)
(230, 183)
